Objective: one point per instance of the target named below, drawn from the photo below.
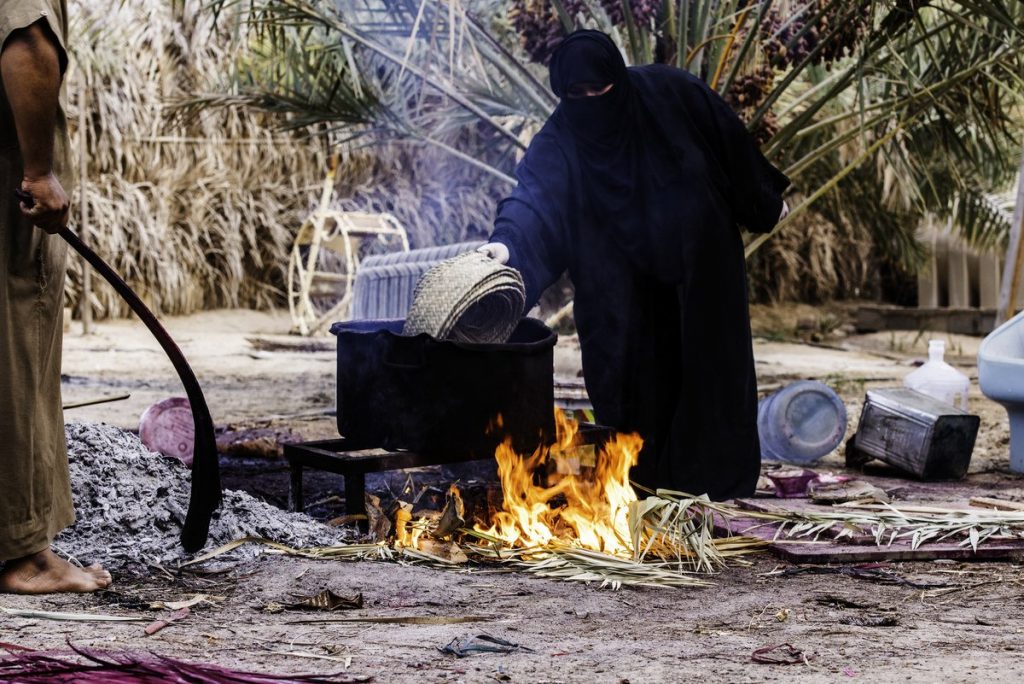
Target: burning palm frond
(673, 540)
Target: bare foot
(47, 573)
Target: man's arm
(30, 67)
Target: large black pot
(438, 398)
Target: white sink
(1001, 377)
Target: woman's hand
(496, 251)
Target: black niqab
(590, 57)
(632, 162)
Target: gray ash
(130, 505)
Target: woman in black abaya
(637, 185)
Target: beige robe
(35, 493)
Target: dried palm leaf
(884, 523)
(581, 565)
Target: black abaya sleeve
(533, 222)
(757, 186)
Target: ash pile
(130, 506)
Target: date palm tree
(880, 111)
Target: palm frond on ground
(680, 540)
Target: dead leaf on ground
(779, 654)
(349, 519)
(833, 601)
(447, 551)
(327, 600)
(378, 521)
(453, 517)
(481, 643)
(843, 492)
(69, 617)
(870, 621)
(187, 603)
(156, 626)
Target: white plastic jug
(938, 379)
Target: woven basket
(468, 298)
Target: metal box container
(916, 433)
(385, 283)
(439, 397)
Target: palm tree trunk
(1010, 290)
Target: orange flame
(408, 532)
(592, 512)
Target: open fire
(571, 492)
(585, 501)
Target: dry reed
(812, 260)
(193, 214)
(200, 212)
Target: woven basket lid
(468, 298)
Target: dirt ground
(968, 629)
(915, 622)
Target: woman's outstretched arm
(533, 221)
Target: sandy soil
(964, 624)
(240, 381)
(967, 630)
(246, 385)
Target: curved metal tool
(205, 496)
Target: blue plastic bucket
(800, 423)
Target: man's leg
(35, 495)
